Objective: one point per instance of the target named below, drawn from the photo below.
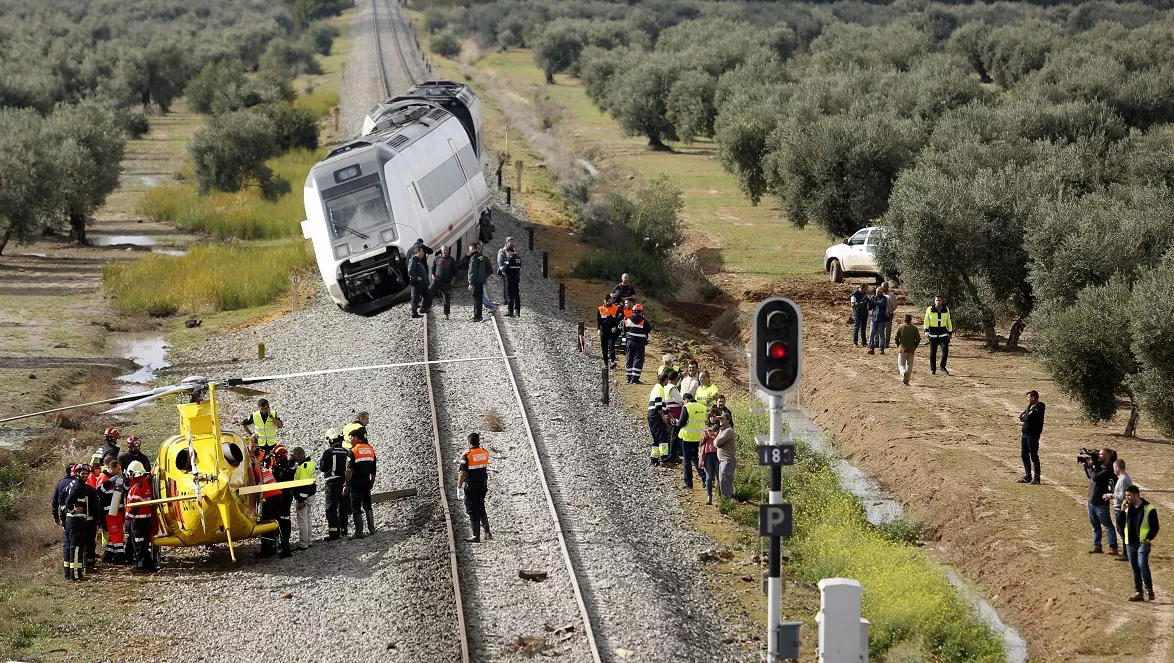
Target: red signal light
(776, 350)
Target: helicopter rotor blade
(246, 391)
(107, 401)
(266, 487)
(234, 382)
(152, 396)
(167, 500)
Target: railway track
(398, 44)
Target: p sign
(774, 520)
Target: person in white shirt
(690, 381)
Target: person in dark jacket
(859, 302)
(333, 468)
(1141, 526)
(109, 446)
(284, 469)
(1033, 425)
(419, 244)
(418, 279)
(623, 290)
(478, 273)
(513, 281)
(608, 320)
(58, 508)
(134, 452)
(444, 274)
(879, 305)
(501, 268)
(1100, 481)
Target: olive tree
(27, 174)
(638, 98)
(229, 152)
(558, 46)
(86, 159)
(1152, 327)
(690, 105)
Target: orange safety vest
(267, 478)
(627, 313)
(608, 311)
(363, 452)
(477, 458)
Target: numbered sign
(776, 455)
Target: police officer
(478, 274)
(608, 321)
(939, 328)
(333, 466)
(284, 469)
(474, 482)
(513, 278)
(636, 330)
(418, 279)
(303, 495)
(264, 422)
(360, 477)
(75, 515)
(134, 451)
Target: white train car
(416, 174)
(456, 98)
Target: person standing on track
(478, 274)
(360, 477)
(512, 273)
(418, 279)
(303, 495)
(444, 274)
(636, 330)
(264, 422)
(333, 467)
(1033, 426)
(938, 328)
(473, 483)
(501, 267)
(608, 321)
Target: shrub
(656, 220)
(320, 37)
(446, 45)
(229, 153)
(293, 127)
(651, 275)
(220, 87)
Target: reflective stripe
(266, 430)
(695, 426)
(477, 459)
(656, 397)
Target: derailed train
(415, 173)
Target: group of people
(437, 281)
(879, 308)
(621, 321)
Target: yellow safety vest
(266, 430)
(934, 322)
(1143, 531)
(705, 395)
(346, 433)
(305, 470)
(656, 395)
(695, 426)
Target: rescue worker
(502, 257)
(360, 477)
(706, 391)
(624, 290)
(284, 469)
(139, 519)
(270, 502)
(134, 452)
(362, 420)
(692, 425)
(939, 328)
(444, 274)
(513, 279)
(76, 516)
(478, 274)
(418, 279)
(98, 475)
(109, 446)
(636, 330)
(333, 466)
(656, 422)
(110, 493)
(264, 423)
(1141, 526)
(303, 495)
(93, 515)
(673, 405)
(608, 322)
(58, 508)
(474, 482)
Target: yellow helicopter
(207, 490)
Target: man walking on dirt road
(939, 328)
(1033, 425)
(908, 338)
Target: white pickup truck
(855, 256)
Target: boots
(358, 516)
(1096, 550)
(370, 521)
(1113, 551)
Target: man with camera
(1098, 465)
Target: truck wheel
(836, 271)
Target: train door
(466, 190)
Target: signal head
(777, 346)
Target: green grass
(212, 277)
(241, 215)
(607, 266)
(907, 597)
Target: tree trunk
(1016, 332)
(1131, 425)
(4, 239)
(77, 228)
(992, 336)
(988, 316)
(654, 141)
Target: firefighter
(636, 331)
(109, 446)
(58, 508)
(303, 495)
(360, 477)
(473, 482)
(75, 516)
(134, 452)
(512, 276)
(284, 469)
(110, 492)
(140, 519)
(264, 422)
(333, 467)
(608, 321)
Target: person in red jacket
(139, 519)
(111, 493)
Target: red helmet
(112, 432)
(81, 467)
(133, 442)
(639, 308)
(279, 451)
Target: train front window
(356, 211)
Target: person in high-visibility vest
(473, 484)
(140, 519)
(1141, 526)
(691, 424)
(263, 423)
(636, 331)
(360, 477)
(939, 328)
(362, 419)
(76, 514)
(707, 391)
(656, 422)
(110, 495)
(303, 495)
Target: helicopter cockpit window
(183, 462)
(232, 453)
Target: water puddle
(169, 251)
(147, 351)
(881, 509)
(120, 240)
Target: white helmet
(136, 469)
(333, 434)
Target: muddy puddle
(122, 240)
(880, 508)
(168, 251)
(148, 351)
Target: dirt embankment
(948, 448)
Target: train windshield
(357, 210)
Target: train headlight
(348, 173)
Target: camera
(1089, 455)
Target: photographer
(1098, 465)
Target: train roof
(398, 130)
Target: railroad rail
(398, 43)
